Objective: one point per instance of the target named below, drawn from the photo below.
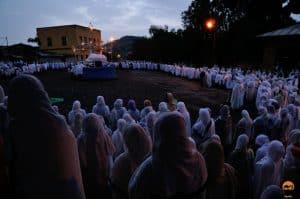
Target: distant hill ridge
(124, 45)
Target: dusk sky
(20, 18)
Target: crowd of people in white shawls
(125, 151)
(8, 69)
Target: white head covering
(100, 100)
(204, 115)
(246, 115)
(276, 150)
(261, 140)
(242, 142)
(163, 107)
(181, 107)
(76, 105)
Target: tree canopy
(233, 40)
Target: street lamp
(210, 25)
(111, 41)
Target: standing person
(261, 144)
(4, 178)
(133, 111)
(203, 129)
(292, 163)
(162, 108)
(138, 147)
(150, 122)
(76, 108)
(147, 109)
(281, 127)
(237, 96)
(221, 181)
(250, 96)
(76, 126)
(181, 108)
(95, 153)
(175, 169)
(245, 125)
(116, 113)
(117, 138)
(100, 108)
(269, 170)
(45, 161)
(224, 128)
(2, 94)
(260, 123)
(242, 159)
(171, 101)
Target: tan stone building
(70, 40)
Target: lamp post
(210, 25)
(111, 41)
(91, 27)
(74, 52)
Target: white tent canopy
(96, 57)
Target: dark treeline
(232, 41)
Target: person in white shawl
(181, 108)
(250, 93)
(237, 96)
(2, 94)
(116, 113)
(268, 171)
(245, 125)
(162, 108)
(175, 169)
(117, 137)
(100, 108)
(203, 129)
(151, 118)
(294, 140)
(45, 160)
(75, 109)
(262, 143)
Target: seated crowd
(127, 152)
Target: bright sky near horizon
(20, 18)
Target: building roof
(67, 26)
(288, 31)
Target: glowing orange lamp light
(210, 24)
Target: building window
(85, 40)
(80, 39)
(64, 40)
(94, 40)
(49, 41)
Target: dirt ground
(137, 85)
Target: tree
(293, 6)
(200, 10)
(34, 40)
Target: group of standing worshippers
(125, 152)
(274, 133)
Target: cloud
(171, 22)
(113, 17)
(84, 12)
